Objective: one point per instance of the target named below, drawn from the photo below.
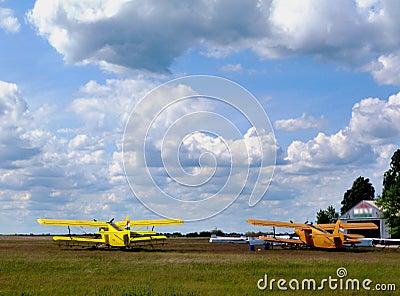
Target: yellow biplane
(316, 235)
(113, 234)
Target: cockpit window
(114, 226)
(320, 229)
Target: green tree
(362, 189)
(327, 216)
(389, 202)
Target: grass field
(37, 266)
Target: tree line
(362, 189)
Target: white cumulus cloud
(300, 123)
(375, 120)
(15, 121)
(386, 70)
(151, 35)
(232, 68)
(373, 129)
(8, 22)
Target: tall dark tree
(362, 189)
(327, 216)
(389, 202)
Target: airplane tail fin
(127, 229)
(127, 223)
(339, 229)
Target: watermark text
(338, 282)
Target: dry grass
(37, 266)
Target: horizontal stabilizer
(353, 236)
(157, 222)
(352, 241)
(142, 233)
(347, 226)
(148, 238)
(281, 240)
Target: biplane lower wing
(97, 241)
(78, 239)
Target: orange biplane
(316, 235)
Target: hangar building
(367, 211)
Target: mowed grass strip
(37, 266)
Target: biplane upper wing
(83, 223)
(278, 224)
(98, 224)
(366, 225)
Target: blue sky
(71, 73)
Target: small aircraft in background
(228, 239)
(113, 234)
(316, 235)
(236, 240)
(386, 243)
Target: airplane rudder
(127, 223)
(339, 229)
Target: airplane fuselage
(319, 239)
